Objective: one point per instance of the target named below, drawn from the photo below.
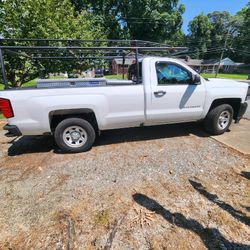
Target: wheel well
(55, 117)
(234, 102)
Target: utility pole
(222, 53)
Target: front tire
(219, 119)
(74, 135)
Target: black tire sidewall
(211, 121)
(74, 122)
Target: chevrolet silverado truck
(74, 111)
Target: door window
(169, 73)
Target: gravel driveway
(165, 187)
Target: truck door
(174, 95)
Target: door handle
(160, 93)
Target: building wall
(118, 69)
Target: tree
(105, 13)
(177, 39)
(224, 28)
(209, 35)
(154, 20)
(241, 45)
(41, 19)
(199, 35)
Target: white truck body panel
(122, 106)
(114, 107)
(182, 102)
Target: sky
(195, 7)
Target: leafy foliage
(105, 13)
(209, 34)
(242, 41)
(154, 20)
(42, 19)
(200, 33)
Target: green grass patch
(1, 116)
(29, 83)
(228, 76)
(101, 218)
(118, 77)
(32, 82)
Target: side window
(168, 73)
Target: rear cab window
(132, 73)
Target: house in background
(195, 64)
(210, 65)
(199, 65)
(117, 65)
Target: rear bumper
(13, 130)
(241, 112)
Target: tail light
(5, 107)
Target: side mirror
(196, 79)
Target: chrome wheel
(224, 119)
(75, 136)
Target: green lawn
(30, 83)
(33, 82)
(27, 84)
(119, 77)
(229, 76)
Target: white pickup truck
(74, 111)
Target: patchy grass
(32, 82)
(228, 76)
(101, 218)
(1, 116)
(29, 83)
(119, 77)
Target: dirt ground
(165, 187)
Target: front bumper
(241, 112)
(13, 130)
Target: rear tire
(74, 135)
(219, 119)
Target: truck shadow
(31, 144)
(39, 144)
(150, 133)
(211, 237)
